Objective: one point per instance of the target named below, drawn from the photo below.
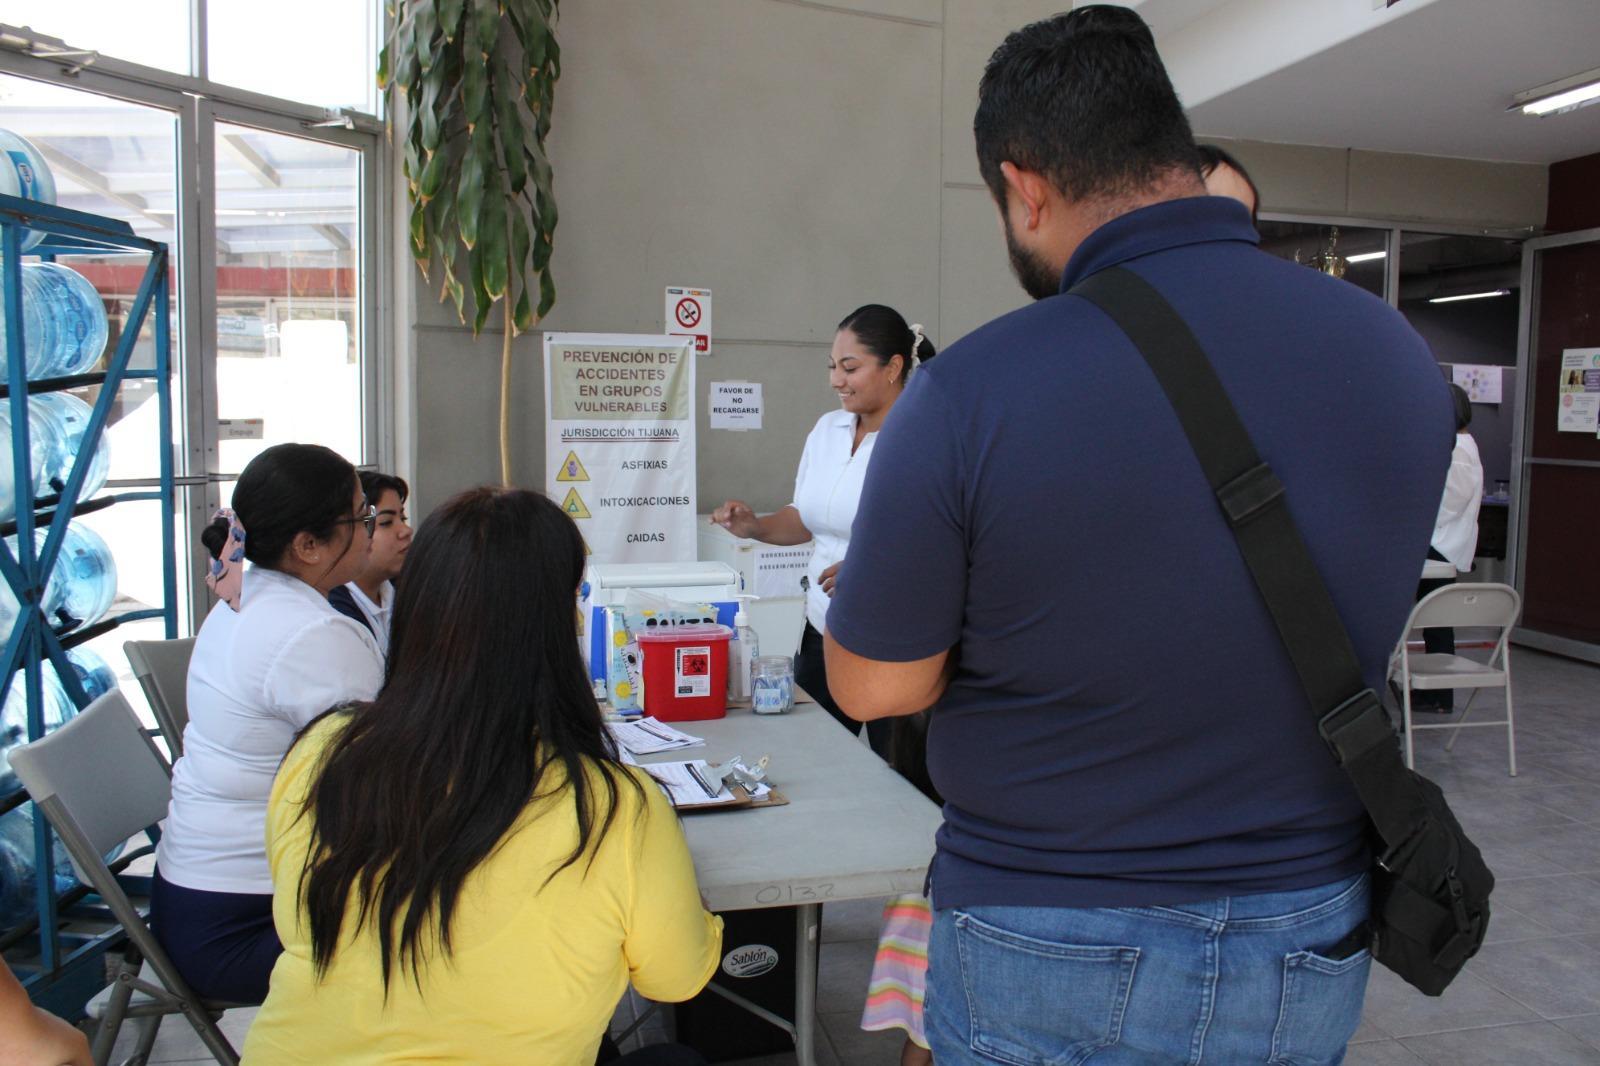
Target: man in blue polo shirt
(1146, 850)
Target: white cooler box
(769, 572)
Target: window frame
(198, 104)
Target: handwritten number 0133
(794, 893)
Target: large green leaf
(419, 236)
(474, 77)
(480, 295)
(521, 237)
(494, 236)
(522, 316)
(547, 293)
(470, 189)
(424, 21)
(508, 126)
(450, 18)
(487, 15)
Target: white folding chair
(99, 779)
(162, 667)
(1464, 605)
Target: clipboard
(742, 800)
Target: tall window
(220, 144)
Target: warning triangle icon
(571, 469)
(573, 505)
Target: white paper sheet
(648, 736)
(684, 788)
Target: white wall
(799, 158)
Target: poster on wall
(1482, 383)
(1578, 410)
(736, 405)
(620, 443)
(688, 314)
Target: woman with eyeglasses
(270, 657)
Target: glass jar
(772, 685)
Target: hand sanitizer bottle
(742, 654)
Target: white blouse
(379, 614)
(257, 677)
(1455, 531)
(827, 489)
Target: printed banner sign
(620, 443)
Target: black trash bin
(758, 964)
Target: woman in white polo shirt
(271, 656)
(874, 353)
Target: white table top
(853, 828)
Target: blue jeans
(1230, 981)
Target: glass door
(1556, 505)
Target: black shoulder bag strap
(1349, 716)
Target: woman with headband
(271, 656)
(874, 354)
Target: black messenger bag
(1430, 900)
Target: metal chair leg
(1511, 728)
(105, 1034)
(149, 1028)
(1455, 734)
(1405, 712)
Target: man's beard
(1038, 278)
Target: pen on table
(711, 793)
(657, 734)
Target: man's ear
(1027, 194)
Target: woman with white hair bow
(874, 354)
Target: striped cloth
(900, 971)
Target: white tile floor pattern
(1530, 998)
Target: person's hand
(828, 579)
(737, 518)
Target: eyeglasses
(368, 518)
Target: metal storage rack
(69, 960)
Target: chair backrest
(102, 773)
(1467, 605)
(162, 667)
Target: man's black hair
(1084, 100)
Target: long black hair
(287, 490)
(485, 707)
(885, 333)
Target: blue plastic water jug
(14, 720)
(68, 419)
(54, 591)
(94, 673)
(64, 322)
(86, 576)
(24, 173)
(40, 430)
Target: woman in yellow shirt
(463, 869)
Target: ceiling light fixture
(1365, 257)
(1470, 296)
(1556, 97)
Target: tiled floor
(1530, 998)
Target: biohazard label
(691, 677)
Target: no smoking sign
(688, 314)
